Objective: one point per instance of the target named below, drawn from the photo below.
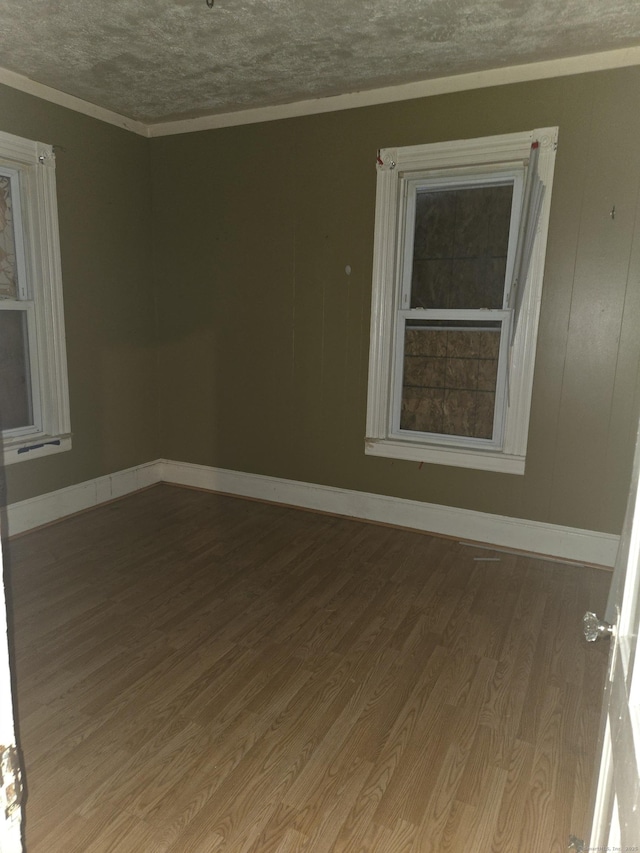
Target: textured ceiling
(155, 60)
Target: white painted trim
(43, 509)
(42, 445)
(545, 70)
(408, 91)
(458, 457)
(62, 99)
(41, 297)
(10, 827)
(399, 172)
(567, 543)
(550, 540)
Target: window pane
(8, 268)
(15, 390)
(460, 247)
(450, 377)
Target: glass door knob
(594, 627)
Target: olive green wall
(263, 338)
(103, 189)
(238, 238)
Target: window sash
(404, 317)
(28, 308)
(411, 186)
(18, 230)
(509, 174)
(22, 302)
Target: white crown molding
(62, 99)
(439, 86)
(564, 67)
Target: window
(34, 401)
(459, 246)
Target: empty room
(319, 396)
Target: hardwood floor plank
(292, 842)
(199, 673)
(440, 811)
(543, 789)
(478, 822)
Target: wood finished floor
(199, 673)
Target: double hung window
(458, 262)
(34, 406)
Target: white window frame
(400, 170)
(31, 166)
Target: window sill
(34, 447)
(483, 460)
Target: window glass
(460, 245)
(15, 387)
(8, 265)
(449, 378)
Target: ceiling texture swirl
(162, 60)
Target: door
(10, 788)
(616, 820)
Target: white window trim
(394, 167)
(35, 163)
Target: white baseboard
(551, 540)
(43, 509)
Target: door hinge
(576, 844)
(10, 780)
